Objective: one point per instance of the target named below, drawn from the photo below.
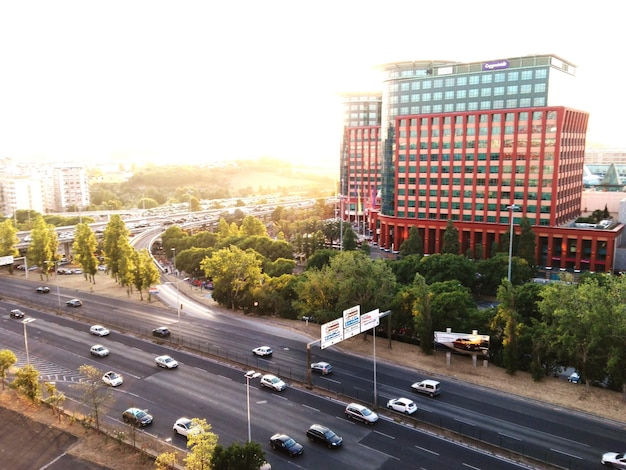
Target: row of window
(463, 80)
(485, 105)
(511, 90)
(435, 132)
(481, 157)
(456, 169)
(495, 182)
(535, 116)
(547, 143)
(465, 217)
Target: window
(511, 90)
(540, 88)
(473, 93)
(449, 82)
(541, 73)
(499, 77)
(461, 81)
(474, 80)
(527, 74)
(449, 95)
(415, 98)
(437, 96)
(487, 78)
(404, 86)
(427, 85)
(526, 88)
(426, 97)
(485, 92)
(513, 76)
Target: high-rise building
(476, 144)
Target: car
(286, 444)
(161, 332)
(574, 378)
(137, 417)
(427, 387)
(273, 382)
(403, 405)
(42, 290)
(262, 351)
(16, 313)
(112, 378)
(102, 267)
(99, 330)
(185, 427)
(323, 368)
(614, 459)
(73, 303)
(166, 362)
(99, 350)
(322, 434)
(77, 271)
(361, 413)
(467, 344)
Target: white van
(427, 387)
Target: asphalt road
(216, 392)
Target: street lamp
(511, 208)
(25, 321)
(250, 375)
(56, 279)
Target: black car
(286, 444)
(322, 434)
(137, 417)
(43, 290)
(161, 332)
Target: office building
(470, 142)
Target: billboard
(4, 260)
(351, 322)
(463, 343)
(332, 333)
(370, 320)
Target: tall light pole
(25, 321)
(250, 375)
(511, 208)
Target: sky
(153, 81)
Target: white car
(185, 427)
(99, 350)
(99, 330)
(166, 361)
(427, 387)
(262, 351)
(614, 460)
(273, 382)
(323, 368)
(403, 405)
(113, 379)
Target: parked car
(16, 313)
(323, 368)
(427, 387)
(99, 350)
(99, 330)
(574, 378)
(161, 332)
(73, 303)
(273, 382)
(403, 405)
(137, 417)
(262, 351)
(361, 413)
(286, 444)
(322, 434)
(185, 427)
(614, 459)
(112, 378)
(42, 290)
(77, 271)
(166, 362)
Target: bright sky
(184, 81)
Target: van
(427, 387)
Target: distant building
(467, 142)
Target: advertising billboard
(332, 333)
(351, 322)
(463, 343)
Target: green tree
(507, 322)
(349, 239)
(249, 456)
(115, 245)
(234, 272)
(405, 268)
(451, 242)
(27, 382)
(413, 245)
(166, 461)
(194, 204)
(147, 203)
(95, 393)
(202, 445)
(252, 226)
(8, 241)
(54, 398)
(84, 248)
(451, 305)
(421, 300)
(145, 272)
(527, 242)
(320, 258)
(448, 266)
(44, 244)
(279, 267)
(7, 359)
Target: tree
(448, 266)
(115, 245)
(7, 359)
(527, 242)
(421, 298)
(194, 204)
(413, 245)
(202, 445)
(252, 226)
(145, 272)
(95, 393)
(84, 248)
(27, 382)
(234, 273)
(8, 241)
(44, 244)
(349, 239)
(166, 461)
(55, 398)
(249, 456)
(451, 242)
(507, 321)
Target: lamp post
(249, 375)
(511, 208)
(25, 321)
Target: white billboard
(4, 260)
(370, 320)
(351, 322)
(332, 333)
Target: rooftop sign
(500, 64)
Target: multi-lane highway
(207, 389)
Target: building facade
(471, 142)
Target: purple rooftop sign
(500, 64)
